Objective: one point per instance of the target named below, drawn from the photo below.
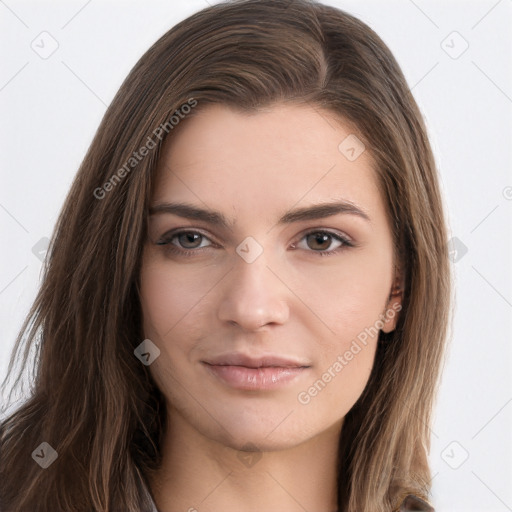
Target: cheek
(171, 303)
(338, 385)
(348, 295)
(349, 299)
(345, 356)
(168, 297)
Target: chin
(251, 440)
(266, 432)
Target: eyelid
(333, 232)
(166, 238)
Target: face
(267, 274)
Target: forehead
(266, 161)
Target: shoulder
(412, 503)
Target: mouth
(244, 372)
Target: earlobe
(394, 305)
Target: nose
(253, 297)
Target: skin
(228, 449)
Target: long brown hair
(91, 399)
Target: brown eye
(185, 240)
(319, 241)
(323, 242)
(189, 239)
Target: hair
(90, 398)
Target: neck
(198, 473)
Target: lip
(256, 361)
(265, 372)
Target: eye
(323, 242)
(187, 240)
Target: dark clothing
(413, 503)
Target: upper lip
(264, 361)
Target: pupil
(190, 240)
(319, 241)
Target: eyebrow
(314, 212)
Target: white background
(50, 109)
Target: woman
(246, 297)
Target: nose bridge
(253, 296)
(254, 275)
(250, 263)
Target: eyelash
(166, 242)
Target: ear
(394, 304)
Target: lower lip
(269, 377)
